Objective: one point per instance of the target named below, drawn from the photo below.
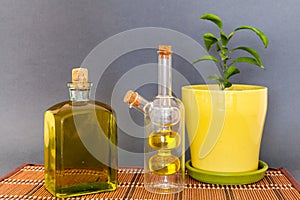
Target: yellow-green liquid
(164, 139)
(164, 163)
(80, 149)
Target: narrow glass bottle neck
(79, 91)
(79, 95)
(135, 100)
(141, 105)
(164, 75)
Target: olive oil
(164, 163)
(80, 146)
(164, 139)
(164, 159)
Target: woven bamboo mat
(27, 182)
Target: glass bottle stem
(164, 75)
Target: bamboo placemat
(27, 182)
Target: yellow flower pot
(225, 127)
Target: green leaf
(226, 84)
(230, 35)
(251, 51)
(211, 78)
(224, 38)
(214, 77)
(261, 34)
(209, 40)
(232, 70)
(208, 57)
(220, 81)
(247, 60)
(213, 18)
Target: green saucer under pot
(227, 178)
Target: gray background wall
(42, 40)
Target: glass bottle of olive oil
(80, 143)
(164, 129)
(164, 169)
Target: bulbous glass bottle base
(164, 188)
(168, 184)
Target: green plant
(224, 53)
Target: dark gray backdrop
(42, 40)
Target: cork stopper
(132, 98)
(80, 79)
(163, 49)
(80, 75)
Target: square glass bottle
(80, 143)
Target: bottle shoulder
(167, 102)
(59, 106)
(69, 106)
(101, 105)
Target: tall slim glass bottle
(80, 143)
(164, 160)
(164, 129)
